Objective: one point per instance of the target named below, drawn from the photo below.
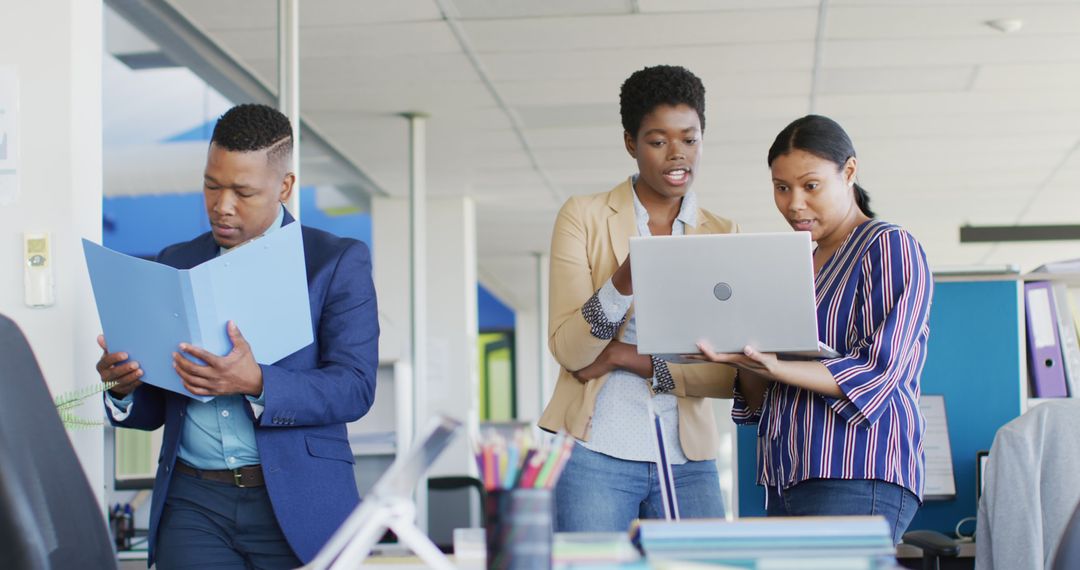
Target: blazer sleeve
(342, 388)
(896, 289)
(706, 380)
(569, 334)
(147, 409)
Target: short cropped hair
(253, 127)
(648, 88)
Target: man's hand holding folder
(235, 373)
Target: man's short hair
(254, 127)
(648, 88)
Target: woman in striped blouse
(842, 436)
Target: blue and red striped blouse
(873, 307)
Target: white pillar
(530, 401)
(535, 367)
(390, 243)
(545, 366)
(56, 50)
(289, 85)
(452, 383)
(418, 267)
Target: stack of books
(835, 543)
(595, 551)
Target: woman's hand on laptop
(764, 363)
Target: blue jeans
(839, 497)
(207, 524)
(597, 492)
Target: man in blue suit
(261, 475)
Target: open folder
(147, 309)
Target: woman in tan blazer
(604, 387)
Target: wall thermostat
(37, 270)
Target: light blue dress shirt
(621, 426)
(219, 434)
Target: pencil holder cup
(519, 529)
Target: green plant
(68, 401)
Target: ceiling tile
(941, 20)
(637, 31)
(515, 9)
(1053, 76)
(896, 80)
(705, 61)
(950, 51)
(650, 6)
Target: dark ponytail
(862, 199)
(824, 138)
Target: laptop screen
(401, 479)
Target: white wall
(56, 48)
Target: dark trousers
(206, 524)
(847, 497)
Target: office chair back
(49, 517)
(453, 510)
(1068, 552)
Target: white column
(452, 383)
(56, 49)
(418, 341)
(530, 402)
(535, 367)
(546, 365)
(289, 85)
(447, 381)
(390, 269)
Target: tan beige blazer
(591, 239)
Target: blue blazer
(310, 395)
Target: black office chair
(49, 517)
(935, 547)
(1067, 556)
(457, 483)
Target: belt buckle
(238, 478)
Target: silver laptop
(729, 290)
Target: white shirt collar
(688, 210)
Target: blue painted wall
(494, 315)
(144, 225)
(974, 359)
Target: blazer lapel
(704, 226)
(622, 223)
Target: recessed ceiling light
(1006, 25)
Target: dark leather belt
(249, 476)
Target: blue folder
(147, 309)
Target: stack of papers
(845, 543)
(595, 551)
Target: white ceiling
(954, 122)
